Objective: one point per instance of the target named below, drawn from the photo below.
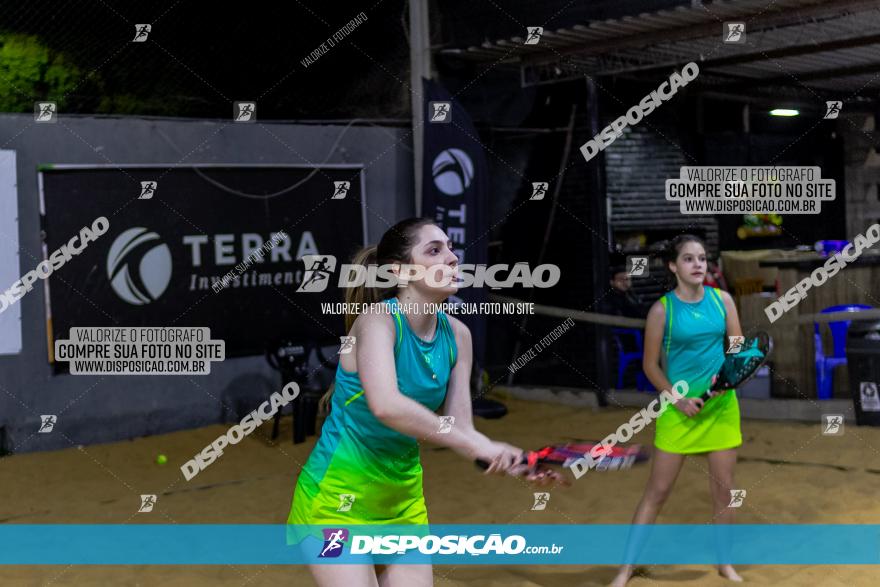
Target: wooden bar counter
(793, 363)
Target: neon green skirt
(347, 499)
(716, 427)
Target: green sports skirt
(716, 427)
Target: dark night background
(200, 57)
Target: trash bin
(863, 363)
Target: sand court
(793, 473)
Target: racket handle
(706, 396)
(713, 387)
(485, 465)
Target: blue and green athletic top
(361, 471)
(694, 344)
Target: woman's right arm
(654, 327)
(374, 351)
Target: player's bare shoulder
(374, 321)
(657, 311)
(460, 329)
(725, 297)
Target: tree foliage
(31, 71)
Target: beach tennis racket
(614, 458)
(739, 367)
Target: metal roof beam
(763, 20)
(807, 76)
(780, 53)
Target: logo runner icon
(47, 423)
(148, 188)
(334, 540)
(319, 268)
(534, 35)
(539, 190)
(737, 496)
(45, 112)
(441, 111)
(446, 424)
(832, 424)
(244, 112)
(141, 31)
(340, 189)
(147, 503)
(735, 344)
(346, 344)
(736, 32)
(637, 266)
(346, 500)
(541, 501)
(832, 109)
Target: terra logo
(139, 266)
(453, 171)
(334, 540)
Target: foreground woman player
(365, 467)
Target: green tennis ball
(161, 459)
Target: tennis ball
(161, 459)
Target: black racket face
(739, 368)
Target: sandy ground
(792, 474)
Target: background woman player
(689, 326)
(404, 366)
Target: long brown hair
(395, 246)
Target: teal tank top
(694, 339)
(359, 447)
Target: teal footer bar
(440, 544)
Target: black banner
(455, 189)
(175, 232)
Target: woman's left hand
(502, 457)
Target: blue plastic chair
(624, 357)
(825, 364)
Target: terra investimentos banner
(204, 246)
